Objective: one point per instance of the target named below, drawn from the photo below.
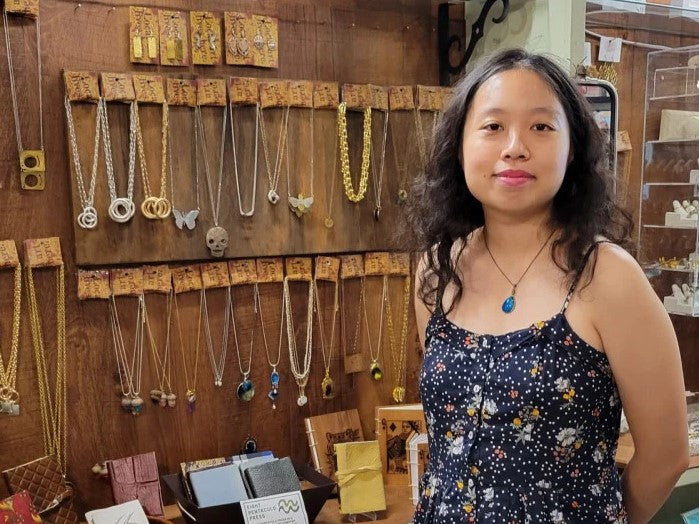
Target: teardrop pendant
(508, 306)
(375, 371)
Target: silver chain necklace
(121, 209)
(216, 366)
(251, 211)
(274, 377)
(301, 374)
(301, 205)
(185, 218)
(246, 389)
(87, 219)
(273, 176)
(378, 180)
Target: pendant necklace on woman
(508, 306)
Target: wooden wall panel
(389, 42)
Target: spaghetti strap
(578, 274)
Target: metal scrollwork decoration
(477, 30)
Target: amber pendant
(398, 394)
(375, 371)
(328, 386)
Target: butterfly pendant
(188, 218)
(300, 205)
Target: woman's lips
(514, 177)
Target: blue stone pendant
(246, 390)
(509, 305)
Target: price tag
(206, 37)
(149, 88)
(429, 98)
(126, 281)
(117, 86)
(351, 266)
(274, 93)
(181, 92)
(326, 95)
(357, 96)
(301, 93)
(270, 270)
(211, 92)
(379, 97)
(174, 47)
(243, 271)
(377, 263)
(28, 8)
(299, 268)
(215, 274)
(401, 98)
(243, 91)
(327, 268)
(43, 252)
(187, 278)
(143, 35)
(93, 284)
(81, 86)
(8, 254)
(399, 264)
(609, 49)
(157, 279)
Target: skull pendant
(217, 241)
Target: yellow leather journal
(359, 477)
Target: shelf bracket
(446, 41)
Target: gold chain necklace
(162, 396)
(9, 398)
(300, 372)
(329, 222)
(375, 369)
(191, 387)
(358, 325)
(401, 169)
(53, 410)
(327, 385)
(154, 207)
(399, 360)
(274, 175)
(378, 178)
(274, 377)
(352, 195)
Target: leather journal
(272, 478)
(18, 509)
(359, 477)
(136, 478)
(218, 485)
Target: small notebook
(129, 512)
(218, 485)
(272, 478)
(250, 463)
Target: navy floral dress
(522, 427)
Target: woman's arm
(641, 346)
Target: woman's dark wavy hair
(442, 210)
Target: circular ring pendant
(302, 400)
(329, 223)
(148, 208)
(246, 390)
(88, 218)
(162, 208)
(375, 371)
(398, 394)
(273, 196)
(328, 387)
(249, 446)
(121, 210)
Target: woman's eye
(492, 127)
(543, 127)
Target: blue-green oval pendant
(509, 305)
(246, 390)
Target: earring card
(174, 44)
(143, 35)
(243, 91)
(265, 41)
(117, 87)
(81, 86)
(181, 92)
(326, 95)
(238, 38)
(149, 88)
(211, 92)
(206, 37)
(270, 270)
(43, 252)
(157, 279)
(243, 271)
(126, 281)
(186, 278)
(93, 284)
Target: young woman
(537, 325)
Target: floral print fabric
(522, 427)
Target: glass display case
(669, 208)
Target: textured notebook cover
(218, 485)
(272, 478)
(248, 464)
(359, 477)
(18, 509)
(136, 478)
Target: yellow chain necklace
(352, 195)
(399, 360)
(53, 410)
(328, 384)
(154, 207)
(9, 398)
(191, 388)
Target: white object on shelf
(673, 219)
(694, 176)
(676, 124)
(672, 305)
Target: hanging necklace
(164, 395)
(327, 385)
(274, 175)
(9, 397)
(246, 389)
(329, 222)
(54, 411)
(399, 360)
(421, 146)
(301, 374)
(191, 393)
(401, 169)
(121, 209)
(358, 325)
(508, 306)
(378, 180)
(217, 366)
(186, 218)
(216, 237)
(301, 205)
(375, 369)
(251, 211)
(131, 400)
(87, 219)
(352, 195)
(31, 161)
(274, 374)
(154, 207)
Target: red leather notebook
(137, 478)
(18, 509)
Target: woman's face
(516, 144)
